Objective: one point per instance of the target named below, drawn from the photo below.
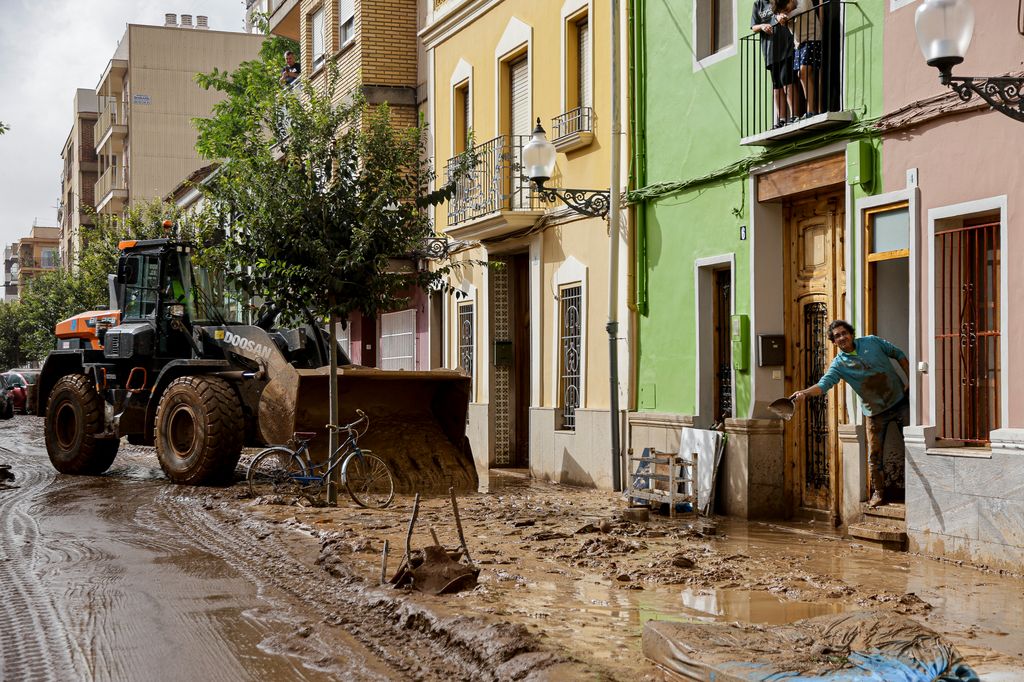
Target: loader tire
(199, 431)
(74, 415)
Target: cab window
(142, 286)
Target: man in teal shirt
(864, 364)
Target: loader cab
(154, 285)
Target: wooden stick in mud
(408, 535)
(433, 534)
(384, 564)
(458, 525)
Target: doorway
(723, 345)
(511, 358)
(815, 282)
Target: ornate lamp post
(539, 164)
(944, 32)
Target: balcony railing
(573, 129)
(109, 116)
(815, 95)
(495, 184)
(112, 179)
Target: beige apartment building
(79, 177)
(147, 97)
(29, 257)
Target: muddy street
(128, 577)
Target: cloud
(52, 47)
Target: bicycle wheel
(276, 471)
(368, 480)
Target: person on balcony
(770, 19)
(290, 72)
(865, 366)
(806, 20)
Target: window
(887, 273)
(316, 37)
(571, 298)
(967, 331)
(142, 281)
(463, 117)
(398, 340)
(465, 318)
(713, 25)
(583, 63)
(346, 21)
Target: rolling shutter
(520, 93)
(583, 29)
(398, 340)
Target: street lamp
(944, 31)
(539, 163)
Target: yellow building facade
(530, 324)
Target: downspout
(638, 145)
(614, 228)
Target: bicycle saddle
(304, 435)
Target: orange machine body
(84, 325)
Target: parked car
(6, 399)
(23, 385)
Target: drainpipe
(638, 147)
(614, 216)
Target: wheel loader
(173, 365)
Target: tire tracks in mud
(414, 641)
(34, 642)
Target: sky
(50, 48)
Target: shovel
(783, 408)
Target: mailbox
(771, 350)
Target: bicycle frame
(348, 448)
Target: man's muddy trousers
(877, 425)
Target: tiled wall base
(967, 504)
(581, 457)
(750, 476)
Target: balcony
(495, 198)
(284, 18)
(111, 191)
(573, 130)
(818, 97)
(111, 125)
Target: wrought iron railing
(968, 332)
(578, 120)
(495, 183)
(817, 86)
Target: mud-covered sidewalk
(563, 563)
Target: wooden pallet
(658, 477)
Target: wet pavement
(126, 577)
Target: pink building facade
(952, 175)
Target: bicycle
(283, 470)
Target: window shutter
(723, 25)
(467, 122)
(346, 20)
(318, 37)
(583, 77)
(520, 88)
(398, 340)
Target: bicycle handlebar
(351, 427)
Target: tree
(4, 127)
(324, 198)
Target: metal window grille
(968, 332)
(816, 421)
(466, 338)
(398, 340)
(571, 300)
(578, 120)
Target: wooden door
(815, 282)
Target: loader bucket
(417, 420)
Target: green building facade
(744, 241)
